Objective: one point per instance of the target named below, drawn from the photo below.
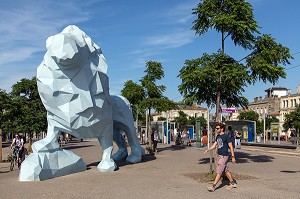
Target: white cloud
(172, 40)
(24, 28)
(182, 13)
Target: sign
(228, 110)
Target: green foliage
(181, 120)
(4, 101)
(219, 79)
(292, 120)
(133, 92)
(270, 120)
(206, 77)
(264, 62)
(161, 119)
(24, 111)
(253, 116)
(192, 121)
(232, 18)
(248, 115)
(149, 95)
(154, 72)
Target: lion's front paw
(107, 166)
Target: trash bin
(258, 138)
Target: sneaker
(211, 188)
(231, 185)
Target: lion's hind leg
(123, 120)
(122, 153)
(137, 151)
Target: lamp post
(264, 127)
(167, 128)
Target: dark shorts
(222, 164)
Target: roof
(276, 88)
(192, 107)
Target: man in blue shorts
(223, 143)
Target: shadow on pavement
(286, 171)
(4, 171)
(172, 148)
(121, 163)
(242, 157)
(76, 147)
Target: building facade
(191, 111)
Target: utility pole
(167, 128)
(264, 127)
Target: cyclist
(19, 146)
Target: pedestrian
(222, 143)
(155, 140)
(18, 142)
(231, 136)
(204, 138)
(238, 136)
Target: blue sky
(132, 32)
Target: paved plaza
(275, 172)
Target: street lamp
(264, 127)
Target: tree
(26, 112)
(149, 94)
(135, 94)
(253, 116)
(292, 120)
(3, 101)
(161, 119)
(270, 120)
(219, 79)
(201, 119)
(182, 119)
(248, 115)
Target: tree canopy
(149, 95)
(292, 120)
(24, 111)
(219, 79)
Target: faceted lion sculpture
(74, 89)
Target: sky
(132, 32)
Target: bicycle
(15, 159)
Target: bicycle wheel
(12, 164)
(19, 163)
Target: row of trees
(21, 110)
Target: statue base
(45, 165)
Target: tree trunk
(218, 119)
(149, 130)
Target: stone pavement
(276, 176)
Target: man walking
(223, 143)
